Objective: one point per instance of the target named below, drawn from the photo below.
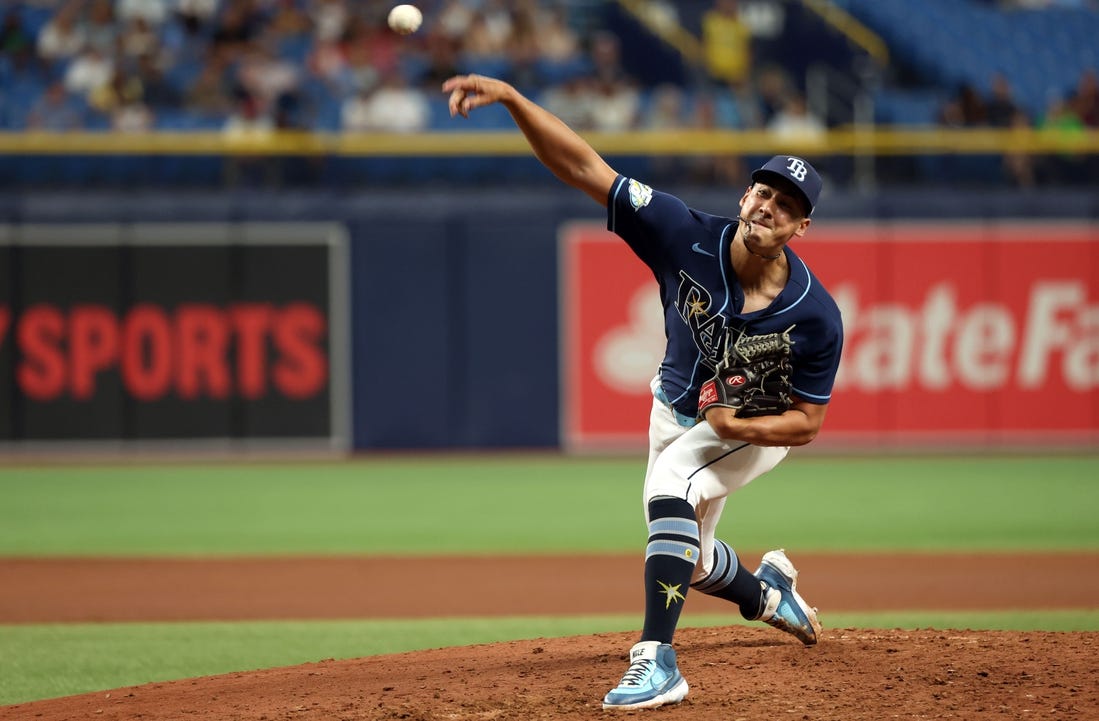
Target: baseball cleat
(652, 680)
(783, 607)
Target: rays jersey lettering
(708, 331)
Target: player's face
(775, 214)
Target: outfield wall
(443, 320)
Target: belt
(681, 418)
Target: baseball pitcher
(753, 346)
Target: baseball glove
(753, 378)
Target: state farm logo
(734, 381)
(938, 343)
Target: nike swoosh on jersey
(698, 249)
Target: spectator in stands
(1086, 98)
(724, 170)
(606, 59)
(63, 36)
(794, 121)
(359, 73)
(289, 20)
(327, 61)
(210, 93)
(557, 42)
(153, 12)
(454, 18)
(157, 90)
(1062, 120)
(237, 27)
(56, 110)
(498, 18)
(727, 43)
(89, 71)
(137, 38)
(132, 117)
(441, 55)
(667, 108)
(265, 76)
(615, 107)
(329, 17)
(102, 25)
(17, 43)
(965, 109)
(1003, 112)
(288, 112)
(521, 52)
(120, 90)
(248, 119)
(773, 86)
(196, 15)
(616, 94)
(1001, 109)
(484, 39)
(1085, 101)
(372, 42)
(571, 101)
(394, 106)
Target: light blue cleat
(784, 608)
(652, 680)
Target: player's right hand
(468, 92)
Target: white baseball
(405, 19)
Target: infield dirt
(735, 672)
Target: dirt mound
(75, 590)
(735, 673)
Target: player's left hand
(753, 378)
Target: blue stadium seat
(949, 42)
(908, 107)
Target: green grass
(47, 661)
(521, 504)
(488, 504)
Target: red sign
(957, 333)
(175, 332)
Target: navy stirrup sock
(730, 580)
(670, 560)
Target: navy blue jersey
(688, 252)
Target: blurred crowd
(254, 66)
(1069, 111)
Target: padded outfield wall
(395, 320)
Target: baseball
(405, 19)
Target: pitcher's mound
(735, 672)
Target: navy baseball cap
(794, 170)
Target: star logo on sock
(671, 594)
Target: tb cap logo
(797, 168)
(806, 180)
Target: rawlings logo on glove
(753, 378)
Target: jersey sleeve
(815, 373)
(648, 220)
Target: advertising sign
(173, 333)
(955, 333)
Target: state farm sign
(955, 333)
(940, 344)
